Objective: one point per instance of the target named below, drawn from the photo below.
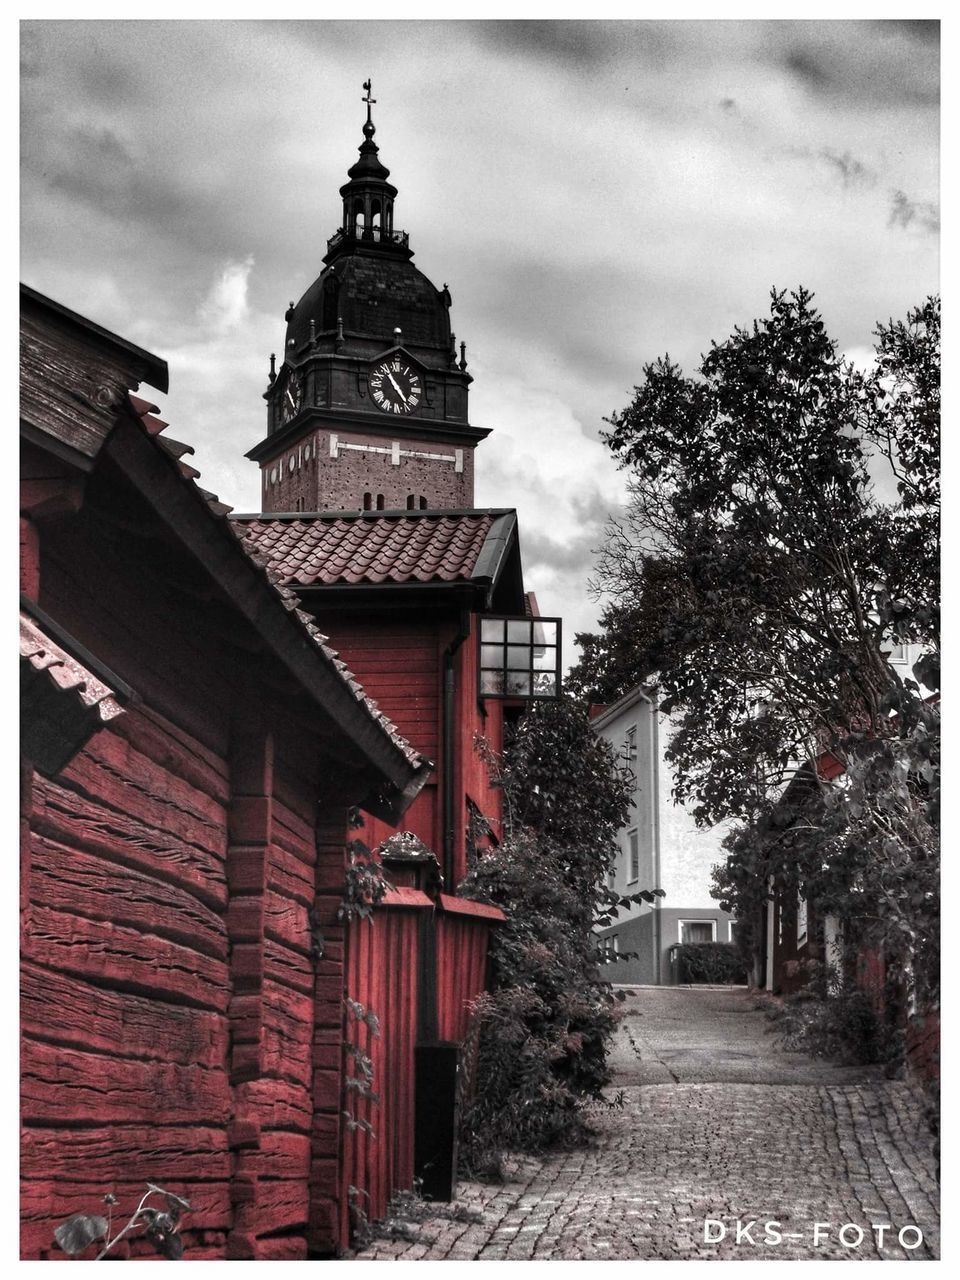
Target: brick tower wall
(332, 471)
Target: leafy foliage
(358, 1082)
(159, 1226)
(761, 574)
(712, 962)
(843, 1027)
(543, 1027)
(365, 884)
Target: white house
(661, 847)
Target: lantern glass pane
(491, 630)
(544, 632)
(545, 684)
(518, 631)
(491, 655)
(491, 682)
(518, 657)
(518, 682)
(544, 659)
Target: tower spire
(368, 197)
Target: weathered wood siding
(398, 659)
(178, 1024)
(125, 983)
(462, 942)
(382, 965)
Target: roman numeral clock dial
(395, 387)
(291, 397)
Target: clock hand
(395, 387)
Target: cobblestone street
(718, 1124)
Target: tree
(543, 1026)
(764, 578)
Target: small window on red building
(519, 657)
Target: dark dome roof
(373, 294)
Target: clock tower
(368, 408)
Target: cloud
(226, 307)
(905, 212)
(854, 61)
(851, 170)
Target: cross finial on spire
(370, 101)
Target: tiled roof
(385, 547)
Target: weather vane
(368, 84)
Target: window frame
(712, 922)
(633, 855)
(487, 665)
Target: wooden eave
(364, 741)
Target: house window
(630, 753)
(634, 847)
(519, 657)
(609, 947)
(898, 654)
(612, 875)
(801, 920)
(698, 930)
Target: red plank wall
(382, 965)
(399, 661)
(178, 1025)
(125, 984)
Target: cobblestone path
(717, 1124)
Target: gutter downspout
(449, 700)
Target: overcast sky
(594, 193)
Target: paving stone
(717, 1123)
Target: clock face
(291, 398)
(395, 387)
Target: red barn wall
(399, 658)
(125, 984)
(383, 961)
(178, 1025)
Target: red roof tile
(370, 549)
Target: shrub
(710, 962)
(542, 1028)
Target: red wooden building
(190, 750)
